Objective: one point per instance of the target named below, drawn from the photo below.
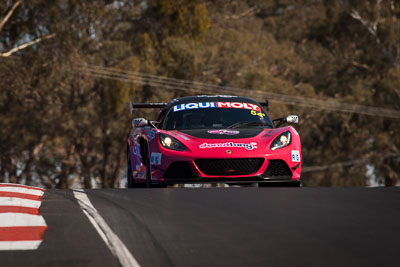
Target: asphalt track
(223, 227)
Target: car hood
(223, 133)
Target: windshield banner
(198, 105)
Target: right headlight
(282, 140)
(171, 143)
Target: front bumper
(216, 166)
(271, 171)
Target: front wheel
(131, 183)
(147, 164)
(129, 176)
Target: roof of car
(210, 98)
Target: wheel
(148, 177)
(131, 183)
(146, 161)
(129, 172)
(129, 176)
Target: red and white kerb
(21, 226)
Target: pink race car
(213, 139)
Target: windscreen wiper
(247, 123)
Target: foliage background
(64, 126)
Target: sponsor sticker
(248, 146)
(139, 174)
(155, 158)
(227, 132)
(295, 155)
(136, 150)
(199, 105)
(135, 132)
(151, 134)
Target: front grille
(178, 170)
(229, 167)
(277, 167)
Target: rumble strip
(21, 226)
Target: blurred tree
(64, 124)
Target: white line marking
(19, 202)
(19, 245)
(110, 238)
(21, 190)
(20, 219)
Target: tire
(131, 183)
(129, 176)
(146, 161)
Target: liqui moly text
(199, 105)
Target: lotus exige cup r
(208, 139)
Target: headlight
(171, 143)
(282, 140)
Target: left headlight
(171, 143)
(282, 140)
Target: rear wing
(133, 106)
(265, 104)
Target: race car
(212, 139)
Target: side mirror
(292, 119)
(139, 122)
(287, 119)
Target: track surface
(223, 227)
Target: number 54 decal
(261, 115)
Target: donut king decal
(227, 132)
(248, 146)
(198, 105)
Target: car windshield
(209, 115)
